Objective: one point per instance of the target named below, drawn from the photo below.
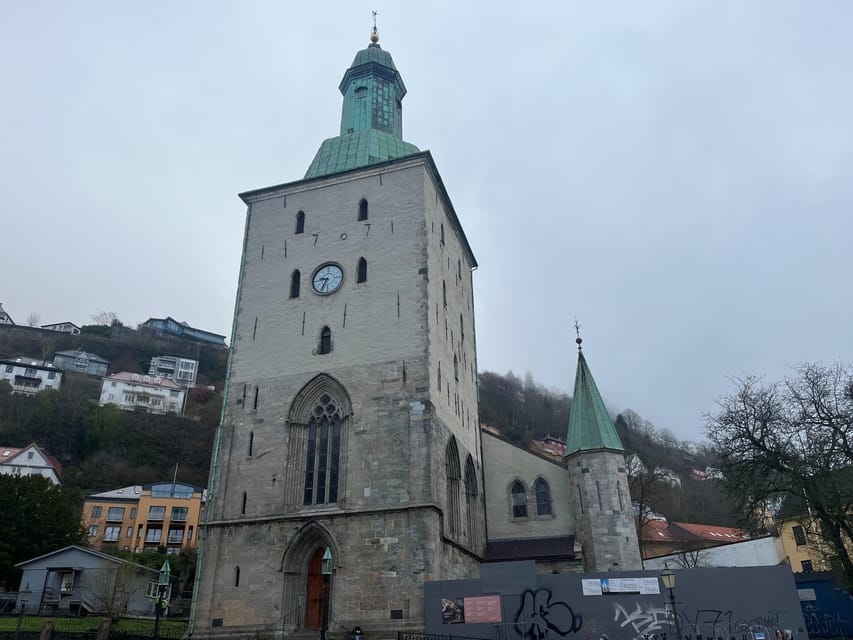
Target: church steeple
(590, 426)
(371, 118)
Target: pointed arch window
(543, 497)
(471, 502)
(453, 476)
(325, 345)
(295, 278)
(519, 500)
(323, 454)
(361, 271)
(300, 222)
(362, 210)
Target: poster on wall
(482, 609)
(452, 611)
(622, 586)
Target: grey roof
(78, 353)
(127, 493)
(553, 548)
(35, 363)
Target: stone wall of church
(504, 463)
(601, 498)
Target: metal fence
(18, 627)
(414, 635)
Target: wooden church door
(314, 607)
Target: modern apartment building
(181, 370)
(145, 517)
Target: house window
(30, 373)
(189, 534)
(51, 375)
(132, 513)
(294, 284)
(362, 210)
(96, 511)
(93, 530)
(153, 535)
(361, 271)
(156, 513)
(519, 500)
(176, 535)
(30, 455)
(179, 514)
(323, 453)
(300, 222)
(800, 535)
(9, 368)
(325, 345)
(112, 534)
(67, 583)
(543, 497)
(806, 566)
(129, 532)
(115, 514)
(451, 463)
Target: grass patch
(132, 626)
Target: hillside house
(82, 362)
(181, 370)
(170, 327)
(5, 318)
(131, 391)
(30, 375)
(63, 327)
(31, 460)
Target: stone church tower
(599, 492)
(350, 418)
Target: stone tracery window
(453, 477)
(322, 464)
(519, 500)
(543, 497)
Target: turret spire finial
(578, 340)
(374, 35)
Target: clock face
(327, 278)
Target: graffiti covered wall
(511, 601)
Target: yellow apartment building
(145, 517)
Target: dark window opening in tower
(361, 271)
(442, 234)
(519, 500)
(598, 493)
(459, 269)
(580, 499)
(456, 368)
(461, 328)
(251, 442)
(619, 496)
(362, 210)
(294, 284)
(543, 497)
(322, 464)
(325, 345)
(453, 476)
(444, 292)
(237, 576)
(243, 505)
(300, 222)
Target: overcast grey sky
(676, 175)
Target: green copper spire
(372, 116)
(590, 427)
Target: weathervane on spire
(374, 35)
(578, 340)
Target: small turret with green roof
(590, 426)
(372, 116)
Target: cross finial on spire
(578, 340)
(374, 35)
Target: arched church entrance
(314, 597)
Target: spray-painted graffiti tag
(646, 621)
(539, 616)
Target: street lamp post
(160, 599)
(24, 600)
(327, 575)
(668, 578)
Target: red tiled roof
(662, 531)
(9, 453)
(710, 532)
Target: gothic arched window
(300, 222)
(322, 461)
(362, 210)
(519, 500)
(453, 477)
(294, 284)
(361, 271)
(543, 497)
(471, 502)
(316, 444)
(325, 345)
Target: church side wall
(504, 463)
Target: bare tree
(792, 440)
(102, 317)
(33, 320)
(112, 587)
(689, 559)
